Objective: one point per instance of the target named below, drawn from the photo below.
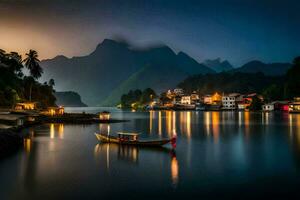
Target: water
(219, 155)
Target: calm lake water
(219, 155)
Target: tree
(51, 82)
(293, 80)
(147, 95)
(2, 54)
(32, 64)
(256, 104)
(14, 63)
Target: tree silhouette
(32, 63)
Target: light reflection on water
(215, 150)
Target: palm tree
(51, 82)
(15, 63)
(32, 63)
(2, 57)
(2, 53)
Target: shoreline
(11, 138)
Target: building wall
(228, 102)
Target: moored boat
(132, 139)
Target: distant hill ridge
(114, 68)
(96, 76)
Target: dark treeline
(137, 98)
(16, 87)
(272, 87)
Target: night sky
(236, 30)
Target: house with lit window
(229, 102)
(294, 106)
(186, 100)
(207, 99)
(195, 98)
(268, 107)
(26, 106)
(53, 111)
(178, 92)
(105, 115)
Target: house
(194, 97)
(56, 110)
(170, 94)
(268, 107)
(177, 100)
(105, 115)
(186, 99)
(229, 101)
(282, 105)
(216, 99)
(178, 92)
(244, 102)
(26, 106)
(207, 99)
(294, 106)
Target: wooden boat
(132, 139)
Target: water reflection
(174, 169)
(104, 128)
(27, 144)
(56, 129)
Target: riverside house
(294, 106)
(268, 107)
(26, 106)
(229, 102)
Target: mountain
(143, 79)
(272, 69)
(218, 65)
(69, 99)
(191, 66)
(113, 64)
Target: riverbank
(11, 124)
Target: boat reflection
(174, 168)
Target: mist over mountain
(115, 66)
(218, 65)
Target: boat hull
(149, 143)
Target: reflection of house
(104, 115)
(56, 110)
(295, 105)
(268, 107)
(186, 99)
(26, 106)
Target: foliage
(229, 82)
(292, 84)
(256, 104)
(32, 64)
(15, 87)
(273, 92)
(137, 99)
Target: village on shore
(177, 99)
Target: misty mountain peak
(218, 65)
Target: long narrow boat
(131, 139)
